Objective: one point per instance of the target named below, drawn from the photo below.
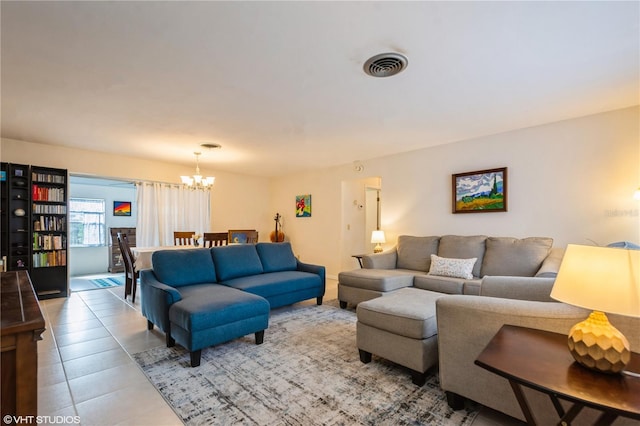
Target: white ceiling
(280, 84)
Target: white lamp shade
(377, 237)
(186, 180)
(636, 194)
(600, 278)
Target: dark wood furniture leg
(522, 401)
(365, 356)
(170, 340)
(455, 401)
(259, 337)
(195, 357)
(418, 378)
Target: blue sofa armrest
(157, 297)
(313, 269)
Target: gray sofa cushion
(415, 252)
(514, 257)
(447, 285)
(463, 247)
(377, 279)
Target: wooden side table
(359, 257)
(22, 324)
(541, 360)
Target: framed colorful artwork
(303, 205)
(122, 208)
(482, 191)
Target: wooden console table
(541, 360)
(22, 324)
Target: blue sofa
(202, 297)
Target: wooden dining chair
(183, 238)
(130, 273)
(215, 239)
(242, 236)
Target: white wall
(572, 181)
(237, 201)
(95, 260)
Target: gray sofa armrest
(466, 324)
(157, 297)
(520, 288)
(385, 260)
(551, 264)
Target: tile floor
(85, 368)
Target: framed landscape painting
(122, 208)
(482, 191)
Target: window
(86, 222)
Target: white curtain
(165, 208)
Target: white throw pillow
(457, 268)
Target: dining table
(143, 255)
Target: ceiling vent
(385, 64)
(210, 145)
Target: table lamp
(377, 238)
(605, 280)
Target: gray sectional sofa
(466, 324)
(428, 320)
(408, 265)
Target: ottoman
(211, 314)
(402, 328)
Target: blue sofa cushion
(213, 305)
(181, 267)
(275, 283)
(236, 261)
(276, 257)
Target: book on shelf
(43, 193)
(50, 223)
(46, 177)
(49, 259)
(48, 242)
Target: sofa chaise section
(181, 296)
(203, 297)
(466, 324)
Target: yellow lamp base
(378, 249)
(596, 344)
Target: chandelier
(197, 181)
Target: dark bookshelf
(33, 212)
(18, 222)
(4, 215)
(49, 224)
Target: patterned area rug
(108, 282)
(307, 372)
